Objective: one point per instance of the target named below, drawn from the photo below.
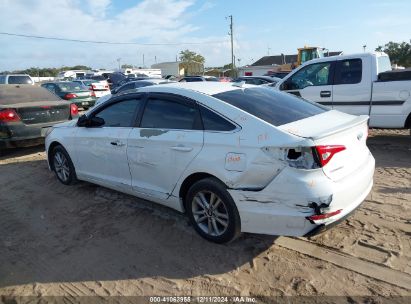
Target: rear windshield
(70, 86)
(19, 80)
(276, 108)
(14, 95)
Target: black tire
(226, 207)
(71, 176)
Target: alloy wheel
(61, 166)
(210, 213)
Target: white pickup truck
(360, 84)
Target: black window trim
(137, 115)
(235, 130)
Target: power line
(110, 42)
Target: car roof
(208, 88)
(15, 75)
(261, 77)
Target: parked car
(198, 78)
(99, 87)
(76, 93)
(16, 79)
(225, 79)
(27, 112)
(236, 158)
(355, 84)
(127, 80)
(256, 80)
(139, 84)
(277, 74)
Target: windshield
(274, 107)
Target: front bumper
(283, 206)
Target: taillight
(324, 216)
(93, 86)
(70, 96)
(73, 110)
(325, 153)
(9, 115)
(92, 94)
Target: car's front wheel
(63, 166)
(212, 211)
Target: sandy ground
(88, 240)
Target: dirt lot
(88, 240)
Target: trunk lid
(81, 94)
(333, 128)
(100, 85)
(42, 111)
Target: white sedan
(235, 158)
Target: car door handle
(117, 143)
(325, 93)
(182, 148)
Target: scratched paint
(262, 137)
(151, 132)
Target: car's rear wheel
(63, 166)
(212, 211)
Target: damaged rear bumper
(283, 206)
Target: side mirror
(285, 85)
(94, 121)
(82, 121)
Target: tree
(190, 56)
(400, 53)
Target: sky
(260, 28)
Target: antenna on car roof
(239, 84)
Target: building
(179, 68)
(269, 64)
(155, 73)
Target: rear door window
(274, 107)
(169, 112)
(19, 80)
(348, 71)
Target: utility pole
(232, 44)
(119, 66)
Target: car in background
(256, 80)
(27, 112)
(225, 79)
(16, 79)
(280, 75)
(134, 85)
(139, 84)
(128, 80)
(72, 91)
(234, 157)
(100, 88)
(198, 78)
